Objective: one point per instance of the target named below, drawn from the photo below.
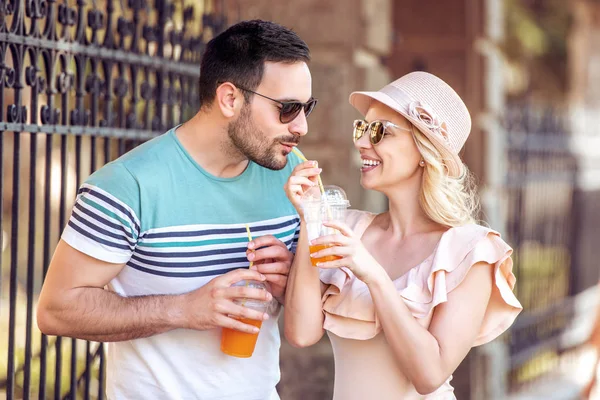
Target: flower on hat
(425, 114)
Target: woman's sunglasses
(376, 130)
(289, 110)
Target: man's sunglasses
(289, 110)
(376, 130)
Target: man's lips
(289, 146)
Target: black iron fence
(543, 228)
(80, 84)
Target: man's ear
(229, 99)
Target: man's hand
(73, 302)
(271, 257)
(212, 306)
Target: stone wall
(440, 37)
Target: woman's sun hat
(432, 106)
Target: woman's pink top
(365, 367)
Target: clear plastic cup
(241, 344)
(331, 205)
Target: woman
(419, 285)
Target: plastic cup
(331, 205)
(241, 344)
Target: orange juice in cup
(242, 344)
(317, 247)
(329, 205)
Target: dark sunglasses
(376, 129)
(289, 110)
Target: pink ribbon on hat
(424, 113)
(420, 111)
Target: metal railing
(80, 84)
(542, 227)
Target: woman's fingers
(300, 180)
(340, 226)
(340, 251)
(308, 172)
(342, 262)
(336, 239)
(306, 168)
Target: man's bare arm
(74, 303)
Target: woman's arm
(429, 357)
(426, 357)
(303, 314)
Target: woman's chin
(367, 184)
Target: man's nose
(299, 126)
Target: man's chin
(275, 163)
(282, 161)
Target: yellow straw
(249, 240)
(301, 156)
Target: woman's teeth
(370, 163)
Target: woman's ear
(229, 99)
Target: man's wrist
(175, 314)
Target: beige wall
(439, 37)
(583, 50)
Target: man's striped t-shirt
(176, 227)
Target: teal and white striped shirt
(176, 227)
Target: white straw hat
(432, 106)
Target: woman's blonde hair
(446, 200)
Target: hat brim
(363, 100)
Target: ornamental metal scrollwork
(101, 66)
(101, 76)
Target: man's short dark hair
(238, 55)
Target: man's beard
(252, 143)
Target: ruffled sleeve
(348, 306)
(355, 323)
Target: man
(164, 229)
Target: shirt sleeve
(294, 246)
(294, 160)
(104, 222)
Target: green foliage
(537, 28)
(543, 274)
(536, 47)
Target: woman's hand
(303, 177)
(353, 254)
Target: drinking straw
(301, 156)
(249, 237)
(249, 240)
